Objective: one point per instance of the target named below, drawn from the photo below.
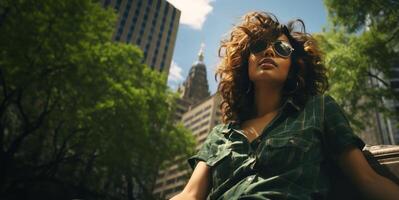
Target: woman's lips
(266, 66)
(267, 62)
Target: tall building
(393, 122)
(152, 25)
(200, 119)
(386, 129)
(383, 129)
(195, 88)
(199, 112)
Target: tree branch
(27, 126)
(378, 78)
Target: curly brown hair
(306, 77)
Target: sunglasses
(281, 48)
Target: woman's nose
(269, 51)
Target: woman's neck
(267, 99)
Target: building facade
(386, 129)
(199, 112)
(195, 88)
(393, 122)
(152, 25)
(200, 119)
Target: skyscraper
(199, 113)
(152, 25)
(199, 119)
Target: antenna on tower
(201, 53)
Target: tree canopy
(80, 115)
(360, 46)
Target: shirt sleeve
(210, 149)
(338, 133)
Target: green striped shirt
(288, 161)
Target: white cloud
(175, 72)
(193, 12)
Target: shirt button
(292, 141)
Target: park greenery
(80, 115)
(361, 46)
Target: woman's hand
(198, 185)
(372, 185)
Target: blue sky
(209, 21)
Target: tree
(80, 116)
(354, 83)
(354, 15)
(360, 47)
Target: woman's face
(267, 67)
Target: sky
(209, 21)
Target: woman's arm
(372, 185)
(198, 185)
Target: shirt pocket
(280, 154)
(220, 166)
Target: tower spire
(195, 87)
(201, 53)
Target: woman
(280, 134)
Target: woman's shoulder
(217, 134)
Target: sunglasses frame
(274, 48)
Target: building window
(161, 31)
(129, 36)
(395, 84)
(166, 10)
(162, 65)
(153, 61)
(158, 4)
(174, 15)
(124, 17)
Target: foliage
(80, 116)
(360, 48)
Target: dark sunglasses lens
(257, 47)
(282, 49)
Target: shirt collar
(288, 101)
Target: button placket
(292, 141)
(250, 178)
